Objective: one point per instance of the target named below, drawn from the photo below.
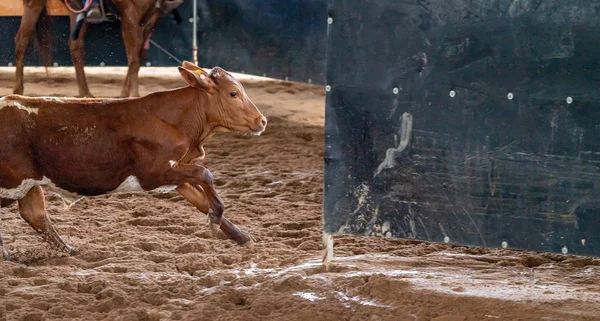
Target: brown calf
(84, 147)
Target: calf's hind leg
(5, 256)
(4, 202)
(196, 196)
(33, 210)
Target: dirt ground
(144, 257)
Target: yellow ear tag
(201, 72)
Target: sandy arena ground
(142, 257)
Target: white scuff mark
(181, 301)
(32, 289)
(134, 275)
(463, 255)
(390, 273)
(513, 287)
(361, 301)
(251, 270)
(386, 229)
(361, 193)
(11, 103)
(308, 296)
(392, 153)
(310, 264)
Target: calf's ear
(198, 79)
(190, 66)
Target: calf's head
(227, 107)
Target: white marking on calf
(10, 103)
(21, 190)
(172, 163)
(50, 98)
(27, 184)
(132, 184)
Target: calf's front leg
(205, 198)
(196, 196)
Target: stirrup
(94, 14)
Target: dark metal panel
(471, 122)
(276, 38)
(103, 44)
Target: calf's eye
(233, 94)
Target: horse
(138, 19)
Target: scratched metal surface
(277, 38)
(479, 144)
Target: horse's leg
(77, 47)
(33, 209)
(148, 28)
(28, 21)
(133, 39)
(196, 196)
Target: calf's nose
(263, 121)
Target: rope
(85, 8)
(165, 51)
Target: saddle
(107, 12)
